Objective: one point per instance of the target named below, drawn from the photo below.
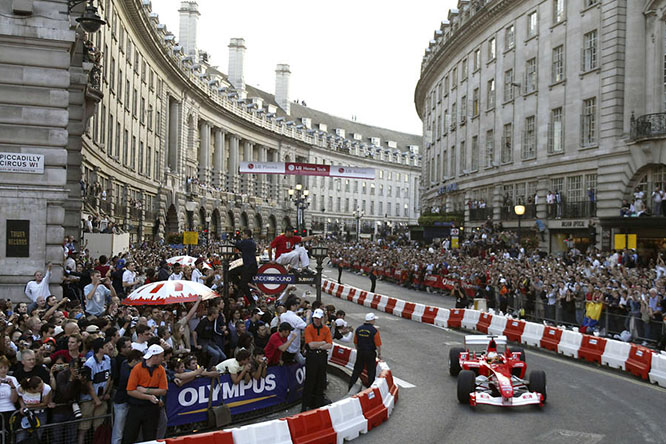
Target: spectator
(96, 294)
(317, 341)
(143, 334)
(368, 350)
(29, 368)
(120, 399)
(238, 367)
(293, 352)
(98, 389)
(39, 286)
(35, 395)
(203, 337)
(278, 343)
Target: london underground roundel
(273, 278)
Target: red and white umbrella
(169, 292)
(186, 261)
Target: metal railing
(477, 214)
(509, 212)
(65, 432)
(648, 126)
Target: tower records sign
(18, 238)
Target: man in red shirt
(278, 343)
(286, 251)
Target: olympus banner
(306, 169)
(21, 163)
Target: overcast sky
(348, 58)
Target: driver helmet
(492, 356)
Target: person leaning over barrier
(238, 368)
(278, 343)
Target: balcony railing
(509, 212)
(648, 126)
(572, 210)
(482, 214)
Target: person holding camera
(96, 391)
(96, 294)
(67, 386)
(8, 392)
(259, 364)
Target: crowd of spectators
(74, 357)
(614, 293)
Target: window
(588, 3)
(508, 85)
(364, 188)
(588, 122)
(558, 11)
(477, 60)
(347, 205)
(109, 150)
(492, 49)
(120, 84)
(558, 64)
(116, 152)
(355, 187)
(388, 208)
(475, 102)
(151, 80)
(372, 207)
(452, 171)
(142, 113)
(140, 157)
(530, 76)
(556, 132)
(406, 211)
(557, 184)
(134, 102)
(347, 185)
(475, 153)
(591, 182)
(127, 94)
(389, 191)
(463, 110)
(136, 61)
(528, 150)
(372, 189)
(381, 208)
(509, 37)
(590, 51)
(143, 71)
(463, 71)
(490, 148)
(531, 24)
(574, 189)
(381, 189)
(446, 85)
(463, 157)
(397, 191)
(454, 115)
(337, 204)
(133, 153)
(158, 122)
(454, 78)
(102, 125)
(125, 148)
(506, 153)
(490, 99)
(121, 38)
(381, 174)
(149, 161)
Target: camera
(76, 409)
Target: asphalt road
(586, 403)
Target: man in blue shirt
(248, 249)
(98, 388)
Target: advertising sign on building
(21, 163)
(18, 238)
(306, 169)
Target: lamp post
(90, 21)
(299, 196)
(319, 252)
(358, 215)
(227, 253)
(519, 210)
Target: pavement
(586, 403)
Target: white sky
(348, 58)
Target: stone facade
(533, 96)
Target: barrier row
(635, 359)
(343, 420)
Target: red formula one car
(491, 373)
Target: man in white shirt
(298, 326)
(197, 275)
(39, 286)
(177, 273)
(129, 278)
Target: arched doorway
(230, 225)
(647, 180)
(286, 222)
(258, 229)
(172, 221)
(243, 220)
(214, 224)
(272, 227)
(202, 220)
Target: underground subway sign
(273, 278)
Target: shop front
(566, 234)
(647, 235)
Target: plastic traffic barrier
(470, 319)
(658, 369)
(616, 354)
(497, 325)
(551, 338)
(218, 437)
(347, 419)
(382, 303)
(390, 304)
(373, 407)
(408, 310)
(442, 317)
(570, 343)
(312, 427)
(352, 294)
(484, 322)
(324, 286)
(345, 292)
(455, 317)
(388, 375)
(340, 355)
(269, 432)
(591, 348)
(361, 298)
(338, 291)
(417, 315)
(532, 334)
(639, 361)
(398, 307)
(376, 299)
(514, 330)
(429, 315)
(387, 397)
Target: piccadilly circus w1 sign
(306, 169)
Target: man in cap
(96, 391)
(368, 348)
(317, 341)
(278, 343)
(146, 383)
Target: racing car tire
(538, 382)
(466, 385)
(454, 360)
(521, 351)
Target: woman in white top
(8, 392)
(35, 395)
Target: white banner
(306, 169)
(21, 163)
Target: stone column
(233, 163)
(204, 152)
(219, 175)
(262, 180)
(173, 142)
(247, 180)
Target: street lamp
(90, 21)
(519, 210)
(358, 214)
(320, 253)
(227, 253)
(300, 198)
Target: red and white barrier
(658, 369)
(470, 319)
(347, 419)
(570, 343)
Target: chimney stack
(282, 74)
(236, 63)
(189, 19)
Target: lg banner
(189, 403)
(306, 169)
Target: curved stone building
(525, 98)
